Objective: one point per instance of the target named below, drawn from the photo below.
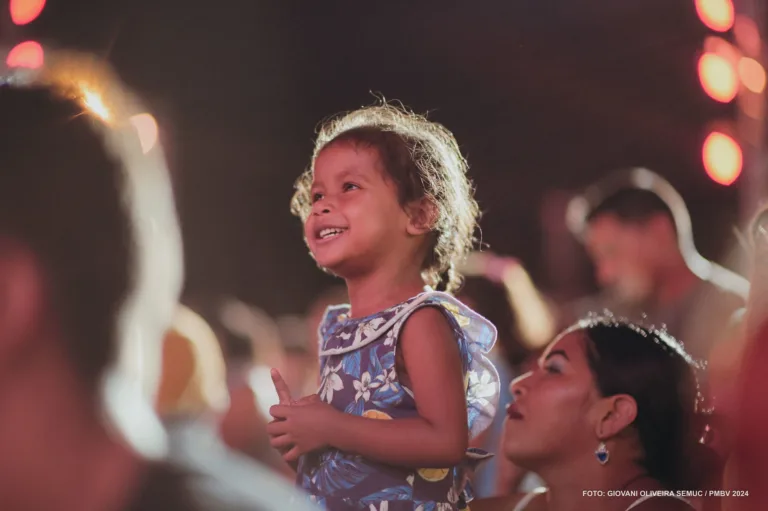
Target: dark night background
(542, 96)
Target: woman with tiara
(608, 420)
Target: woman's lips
(513, 412)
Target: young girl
(387, 206)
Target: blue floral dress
(359, 377)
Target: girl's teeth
(327, 233)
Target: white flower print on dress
(387, 380)
(389, 340)
(331, 383)
(392, 334)
(384, 506)
(363, 386)
(481, 388)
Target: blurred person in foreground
(192, 400)
(91, 266)
(740, 381)
(634, 238)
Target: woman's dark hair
(655, 370)
(490, 301)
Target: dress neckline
(346, 318)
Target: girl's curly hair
(424, 161)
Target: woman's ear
(422, 215)
(615, 414)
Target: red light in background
(28, 54)
(718, 78)
(722, 158)
(26, 11)
(716, 14)
(752, 75)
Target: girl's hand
(300, 428)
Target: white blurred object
(260, 382)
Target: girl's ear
(422, 215)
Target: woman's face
(552, 417)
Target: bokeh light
(95, 104)
(752, 75)
(28, 54)
(25, 11)
(716, 14)
(722, 157)
(717, 77)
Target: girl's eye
(316, 197)
(350, 186)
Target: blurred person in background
(248, 340)
(633, 240)
(192, 399)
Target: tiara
(660, 336)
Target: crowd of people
(438, 377)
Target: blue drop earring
(602, 454)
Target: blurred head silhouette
(632, 241)
(90, 269)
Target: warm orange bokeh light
(718, 77)
(26, 11)
(722, 158)
(752, 75)
(28, 54)
(716, 14)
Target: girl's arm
(437, 438)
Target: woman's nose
(518, 387)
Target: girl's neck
(381, 290)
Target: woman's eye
(553, 369)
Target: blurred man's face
(623, 255)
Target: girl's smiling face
(356, 222)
